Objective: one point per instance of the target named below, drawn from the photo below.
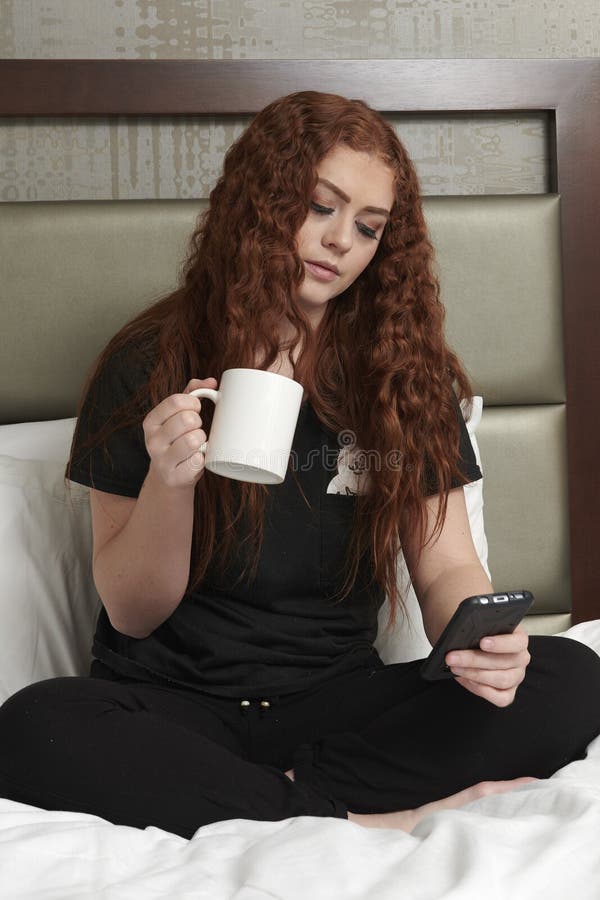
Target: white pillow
(407, 640)
(38, 440)
(48, 603)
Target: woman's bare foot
(406, 819)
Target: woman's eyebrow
(340, 193)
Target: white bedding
(538, 842)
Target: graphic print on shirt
(352, 476)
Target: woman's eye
(364, 229)
(323, 210)
(327, 210)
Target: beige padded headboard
(500, 271)
(74, 272)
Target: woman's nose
(338, 234)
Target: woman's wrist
(169, 493)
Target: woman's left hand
(496, 670)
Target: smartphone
(475, 618)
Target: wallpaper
(134, 158)
(282, 29)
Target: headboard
(519, 276)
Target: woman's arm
(142, 554)
(142, 547)
(446, 571)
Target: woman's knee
(42, 715)
(564, 684)
(27, 712)
(41, 727)
(569, 660)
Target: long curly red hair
(377, 365)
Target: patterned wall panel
(137, 159)
(240, 29)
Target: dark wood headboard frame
(568, 91)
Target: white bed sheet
(541, 840)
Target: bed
(519, 277)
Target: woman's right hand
(173, 435)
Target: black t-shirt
(283, 632)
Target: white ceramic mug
(253, 425)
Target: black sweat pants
(375, 740)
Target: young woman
(234, 674)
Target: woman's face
(339, 238)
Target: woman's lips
(320, 272)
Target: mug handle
(210, 394)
